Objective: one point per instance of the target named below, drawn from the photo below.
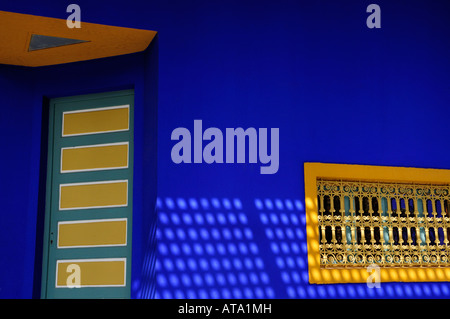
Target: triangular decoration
(39, 42)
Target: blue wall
(16, 185)
(338, 91)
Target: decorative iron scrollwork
(390, 224)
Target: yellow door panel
(92, 233)
(94, 157)
(91, 272)
(93, 195)
(93, 121)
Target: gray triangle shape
(39, 42)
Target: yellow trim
(94, 157)
(94, 272)
(313, 171)
(93, 195)
(92, 233)
(103, 41)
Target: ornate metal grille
(389, 224)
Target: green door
(87, 243)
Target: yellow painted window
(395, 218)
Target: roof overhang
(61, 44)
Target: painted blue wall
(338, 91)
(18, 192)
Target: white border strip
(92, 183)
(127, 106)
(92, 260)
(95, 169)
(86, 221)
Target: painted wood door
(87, 243)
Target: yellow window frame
(314, 171)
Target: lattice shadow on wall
(228, 248)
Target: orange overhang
(95, 40)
